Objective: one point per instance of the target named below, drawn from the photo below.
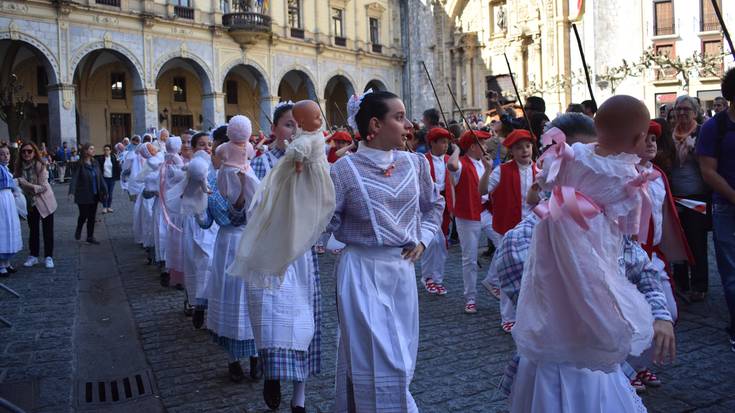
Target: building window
(713, 48)
(114, 3)
(374, 31)
(117, 85)
(41, 81)
(337, 22)
(183, 9)
(179, 89)
(663, 17)
(231, 91)
(709, 18)
(666, 50)
(224, 5)
(294, 13)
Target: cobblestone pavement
(460, 360)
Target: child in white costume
(293, 205)
(578, 317)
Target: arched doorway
(25, 77)
(336, 94)
(375, 85)
(296, 85)
(182, 84)
(245, 92)
(105, 81)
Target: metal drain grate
(122, 390)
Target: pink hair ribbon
(560, 150)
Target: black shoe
(298, 409)
(92, 241)
(272, 393)
(179, 287)
(10, 269)
(165, 278)
(256, 371)
(236, 373)
(198, 319)
(188, 309)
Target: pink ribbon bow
(566, 200)
(560, 150)
(640, 184)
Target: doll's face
(307, 115)
(4, 155)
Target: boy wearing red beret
(435, 256)
(471, 210)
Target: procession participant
(342, 144)
(265, 162)
(471, 210)
(227, 314)
(10, 237)
(136, 185)
(435, 256)
(584, 340)
(665, 242)
(170, 221)
(387, 211)
(287, 321)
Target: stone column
(213, 112)
(62, 115)
(145, 110)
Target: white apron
(198, 247)
(227, 311)
(561, 388)
(143, 219)
(378, 310)
(284, 317)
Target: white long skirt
(143, 220)
(227, 311)
(283, 318)
(10, 238)
(378, 310)
(175, 245)
(561, 388)
(198, 247)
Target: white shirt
(440, 171)
(107, 168)
(526, 174)
(479, 167)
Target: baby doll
(194, 189)
(292, 206)
(233, 156)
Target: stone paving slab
(461, 357)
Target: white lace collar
(383, 159)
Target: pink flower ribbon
(566, 200)
(560, 150)
(640, 184)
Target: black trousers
(695, 227)
(88, 214)
(34, 240)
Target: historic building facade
(464, 43)
(98, 70)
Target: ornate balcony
(247, 27)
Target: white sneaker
(31, 261)
(49, 262)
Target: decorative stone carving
(106, 20)
(12, 7)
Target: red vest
(468, 204)
(332, 155)
(448, 192)
(507, 198)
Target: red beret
(438, 133)
(517, 136)
(654, 129)
(341, 136)
(468, 139)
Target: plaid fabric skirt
(238, 349)
(291, 365)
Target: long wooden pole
(518, 95)
(724, 28)
(584, 63)
(436, 96)
(469, 127)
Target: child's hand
(298, 166)
(487, 162)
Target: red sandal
(508, 326)
(648, 378)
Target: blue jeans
(723, 219)
(110, 182)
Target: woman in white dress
(10, 239)
(387, 211)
